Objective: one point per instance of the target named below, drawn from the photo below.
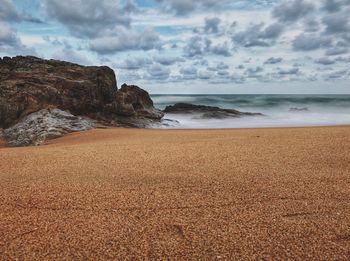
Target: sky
(191, 47)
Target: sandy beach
(124, 194)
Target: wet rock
(296, 109)
(206, 112)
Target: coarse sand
(125, 194)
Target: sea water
(278, 110)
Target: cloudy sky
(185, 46)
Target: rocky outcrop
(39, 98)
(30, 84)
(43, 125)
(206, 112)
(134, 101)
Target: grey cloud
(223, 73)
(202, 62)
(311, 25)
(71, 55)
(309, 42)
(7, 35)
(291, 71)
(10, 43)
(184, 7)
(273, 60)
(254, 72)
(336, 51)
(272, 31)
(57, 42)
(130, 7)
(189, 73)
(195, 46)
(239, 79)
(130, 76)
(158, 72)
(291, 11)
(340, 74)
(337, 23)
(198, 46)
(325, 61)
(334, 5)
(87, 18)
(126, 40)
(221, 49)
(134, 63)
(222, 66)
(212, 25)
(8, 12)
(205, 75)
(168, 60)
(257, 35)
(343, 59)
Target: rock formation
(134, 101)
(29, 84)
(40, 126)
(206, 112)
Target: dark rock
(134, 101)
(43, 125)
(296, 109)
(207, 112)
(29, 84)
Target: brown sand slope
(149, 194)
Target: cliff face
(30, 84)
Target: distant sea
(279, 110)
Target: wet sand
(120, 194)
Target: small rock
(207, 112)
(296, 109)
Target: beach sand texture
(121, 194)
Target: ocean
(278, 110)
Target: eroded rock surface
(206, 112)
(43, 125)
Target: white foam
(289, 119)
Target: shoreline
(4, 145)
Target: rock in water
(296, 109)
(207, 112)
(29, 84)
(43, 125)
